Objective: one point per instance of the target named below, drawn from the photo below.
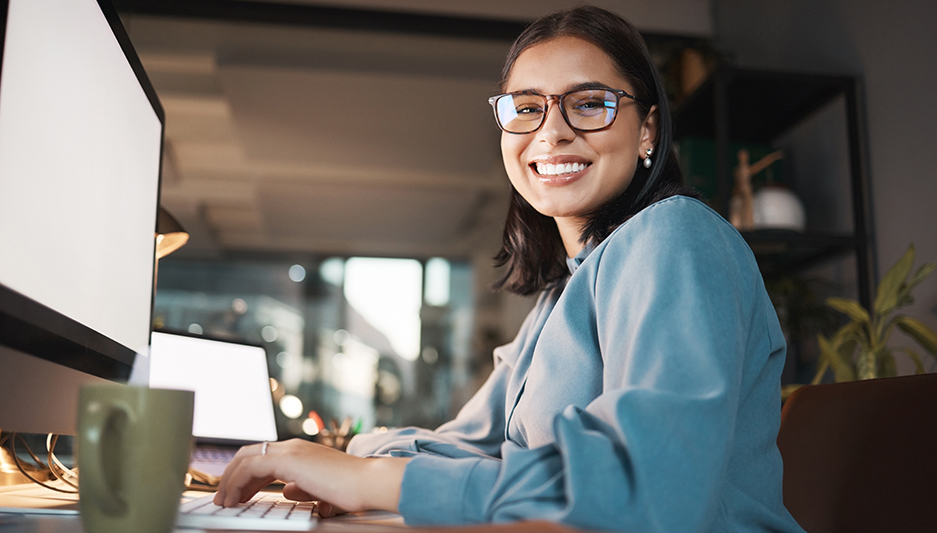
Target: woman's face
(610, 156)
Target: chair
(862, 456)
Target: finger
(236, 494)
(242, 453)
(253, 487)
(293, 492)
(250, 475)
(327, 510)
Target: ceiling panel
(380, 122)
(320, 211)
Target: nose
(555, 129)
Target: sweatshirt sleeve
(478, 429)
(670, 304)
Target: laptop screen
(230, 380)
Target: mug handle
(97, 417)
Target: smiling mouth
(549, 169)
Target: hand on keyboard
(340, 482)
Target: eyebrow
(570, 88)
(588, 85)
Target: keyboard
(212, 461)
(266, 511)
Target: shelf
(761, 104)
(747, 106)
(784, 251)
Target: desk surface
(72, 524)
(378, 522)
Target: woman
(642, 392)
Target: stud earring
(647, 158)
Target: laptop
(233, 403)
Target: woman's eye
(528, 109)
(587, 106)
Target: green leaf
(904, 293)
(787, 390)
(891, 283)
(821, 370)
(827, 348)
(886, 366)
(853, 332)
(838, 355)
(918, 364)
(850, 308)
(827, 354)
(919, 332)
(925, 270)
(887, 328)
(904, 300)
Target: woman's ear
(649, 129)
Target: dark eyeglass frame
(493, 102)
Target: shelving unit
(755, 106)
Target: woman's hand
(310, 471)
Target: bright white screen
(231, 384)
(79, 170)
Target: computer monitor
(81, 134)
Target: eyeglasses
(582, 109)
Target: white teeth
(549, 169)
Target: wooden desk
(353, 523)
(72, 524)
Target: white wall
(892, 46)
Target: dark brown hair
(531, 250)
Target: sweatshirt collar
(574, 262)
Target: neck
(570, 229)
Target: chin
(553, 211)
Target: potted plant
(860, 349)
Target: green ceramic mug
(134, 446)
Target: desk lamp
(169, 234)
(169, 237)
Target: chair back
(862, 456)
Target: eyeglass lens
(586, 110)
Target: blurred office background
(342, 183)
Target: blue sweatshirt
(641, 396)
